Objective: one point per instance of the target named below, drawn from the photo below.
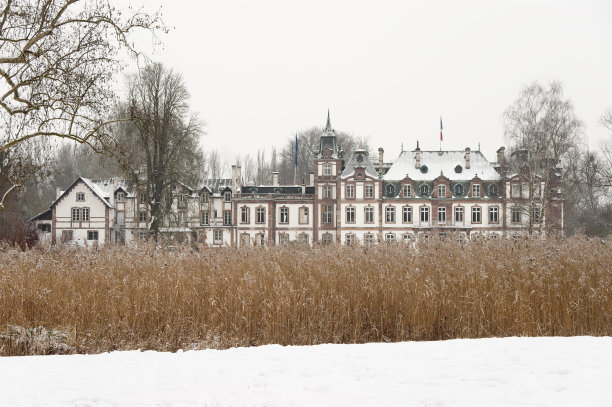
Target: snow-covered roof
(215, 184)
(108, 186)
(359, 158)
(444, 162)
(93, 186)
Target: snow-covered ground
(573, 371)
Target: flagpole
(296, 161)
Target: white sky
(261, 70)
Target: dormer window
(119, 196)
(424, 189)
(407, 190)
(327, 169)
(441, 191)
(228, 196)
(458, 169)
(424, 169)
(80, 197)
(390, 190)
(459, 190)
(493, 190)
(476, 190)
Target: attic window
(277, 190)
(458, 169)
(254, 190)
(424, 189)
(390, 190)
(458, 190)
(119, 196)
(359, 174)
(359, 158)
(424, 169)
(493, 190)
(80, 196)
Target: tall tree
(166, 133)
(541, 128)
(58, 59)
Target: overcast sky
(259, 71)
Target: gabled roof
(441, 162)
(215, 184)
(91, 185)
(46, 215)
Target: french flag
(441, 129)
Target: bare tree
(541, 128)
(606, 149)
(57, 62)
(166, 133)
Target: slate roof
(281, 189)
(353, 162)
(442, 161)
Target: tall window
(327, 169)
(80, 196)
(407, 190)
(424, 214)
(493, 190)
(369, 214)
(85, 212)
(284, 215)
(441, 191)
(350, 191)
(327, 191)
(76, 214)
(390, 214)
(493, 214)
(369, 191)
(261, 215)
(535, 215)
(476, 215)
(142, 216)
(228, 196)
(143, 197)
(244, 214)
(218, 236)
(459, 214)
(227, 218)
(516, 190)
(407, 214)
(476, 191)
(350, 214)
(119, 196)
(390, 190)
(204, 220)
(350, 239)
(516, 214)
(303, 215)
(182, 202)
(441, 215)
(327, 214)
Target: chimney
(275, 178)
(58, 192)
(501, 157)
(303, 187)
(239, 176)
(236, 178)
(311, 182)
(467, 158)
(380, 160)
(417, 157)
(234, 183)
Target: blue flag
(296, 149)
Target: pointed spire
(328, 125)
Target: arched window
(424, 190)
(390, 190)
(459, 190)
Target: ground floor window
(92, 235)
(245, 239)
(283, 238)
(350, 239)
(217, 236)
(303, 238)
(369, 238)
(327, 238)
(389, 237)
(67, 236)
(516, 214)
(407, 237)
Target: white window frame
(475, 190)
(368, 214)
(424, 214)
(327, 169)
(441, 191)
(283, 215)
(493, 214)
(476, 214)
(350, 191)
(368, 191)
(390, 214)
(459, 213)
(260, 215)
(80, 196)
(407, 190)
(350, 214)
(407, 214)
(442, 214)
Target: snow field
(553, 371)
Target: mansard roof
(279, 189)
(215, 185)
(359, 158)
(446, 162)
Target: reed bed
(63, 300)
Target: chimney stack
(380, 160)
(275, 178)
(417, 157)
(236, 178)
(467, 158)
(311, 182)
(501, 156)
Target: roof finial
(417, 144)
(328, 125)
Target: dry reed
(126, 298)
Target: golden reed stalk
(127, 298)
